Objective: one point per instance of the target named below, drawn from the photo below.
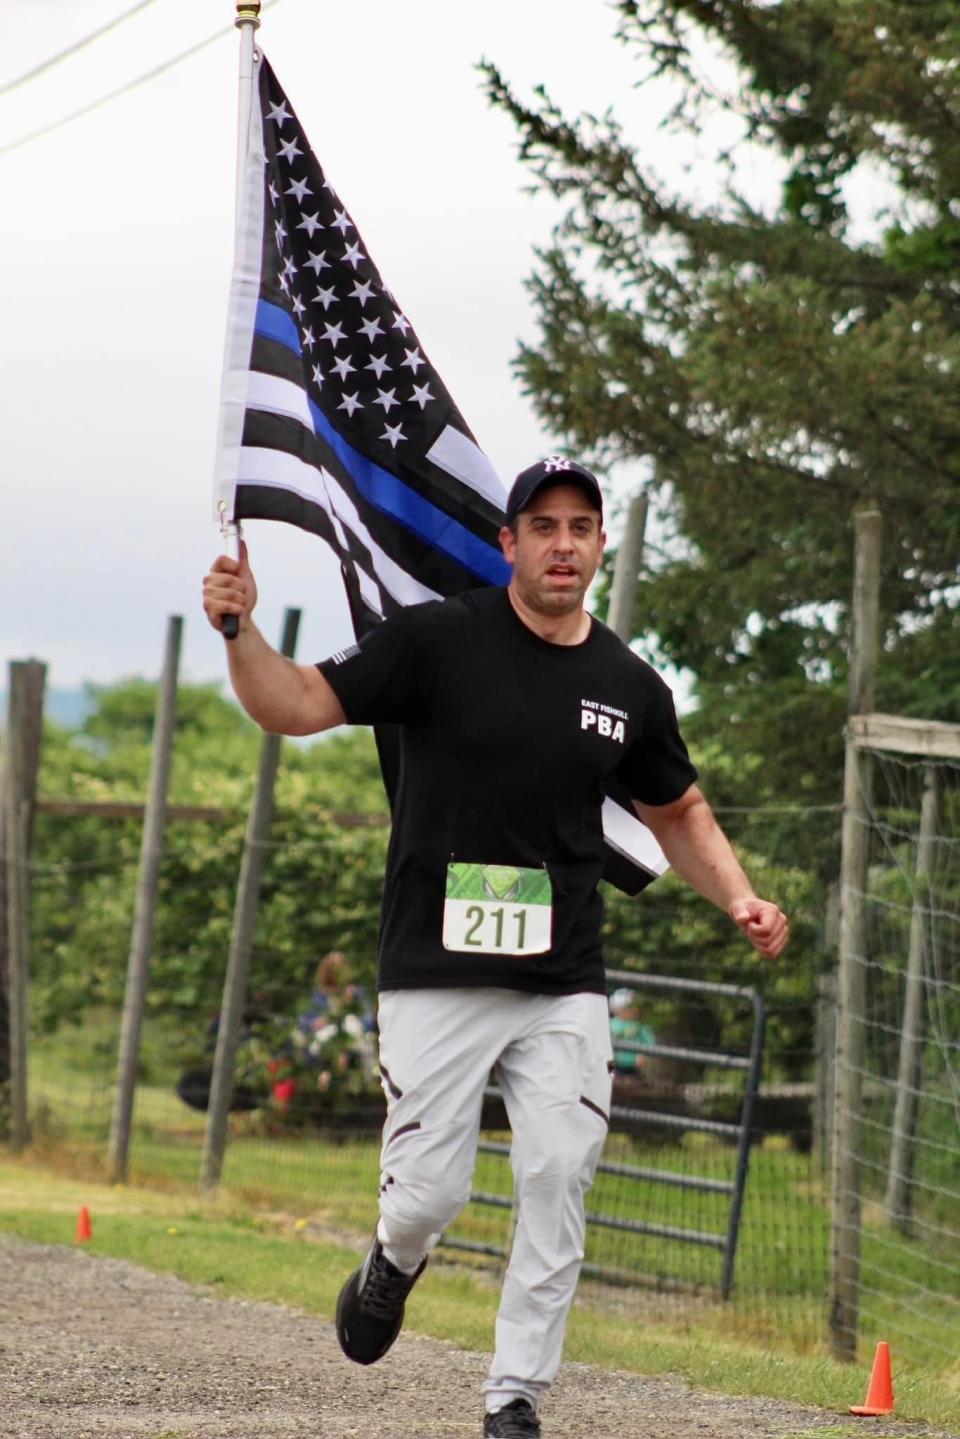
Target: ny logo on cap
(555, 462)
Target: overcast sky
(117, 234)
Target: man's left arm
(700, 852)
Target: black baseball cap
(554, 470)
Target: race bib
(497, 909)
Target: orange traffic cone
(84, 1227)
(879, 1398)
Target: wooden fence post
(4, 959)
(825, 1038)
(899, 1197)
(623, 591)
(851, 969)
(24, 732)
(241, 941)
(4, 962)
(148, 876)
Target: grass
(781, 1277)
(832, 1431)
(226, 1245)
(781, 1273)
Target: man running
(515, 706)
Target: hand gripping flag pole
(247, 22)
(334, 419)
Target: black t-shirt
(506, 744)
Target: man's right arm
(282, 696)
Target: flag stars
(378, 364)
(289, 150)
(422, 396)
(280, 114)
(344, 366)
(310, 223)
(337, 350)
(362, 291)
(299, 188)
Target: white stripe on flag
(395, 580)
(369, 592)
(631, 838)
(460, 457)
(283, 472)
(313, 490)
(278, 470)
(279, 397)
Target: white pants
(553, 1061)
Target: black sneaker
(370, 1307)
(514, 1421)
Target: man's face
(556, 550)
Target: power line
(72, 49)
(123, 89)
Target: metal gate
(636, 1114)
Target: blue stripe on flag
(379, 487)
(275, 324)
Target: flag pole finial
(248, 13)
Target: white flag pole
(247, 22)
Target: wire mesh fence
(908, 1135)
(303, 1136)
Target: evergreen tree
(773, 369)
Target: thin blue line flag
(333, 418)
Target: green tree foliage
(774, 369)
(322, 878)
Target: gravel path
(97, 1347)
